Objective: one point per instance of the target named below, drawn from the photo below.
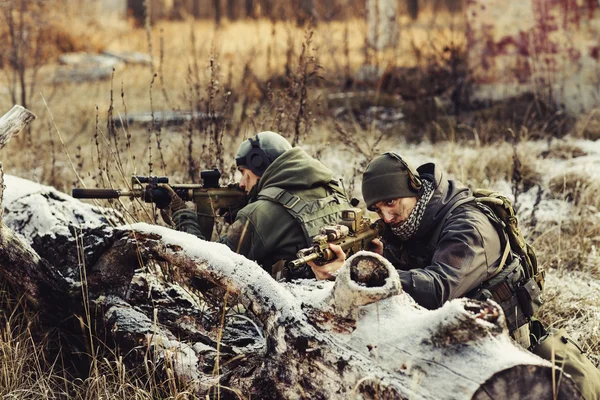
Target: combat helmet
(258, 152)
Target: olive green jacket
(264, 230)
(441, 263)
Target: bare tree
(454, 5)
(250, 9)
(306, 12)
(231, 14)
(383, 31)
(413, 8)
(196, 8)
(22, 52)
(217, 6)
(266, 8)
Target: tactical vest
(311, 215)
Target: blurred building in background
(550, 48)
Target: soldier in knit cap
(446, 245)
(443, 245)
(290, 195)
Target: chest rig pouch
(511, 293)
(311, 215)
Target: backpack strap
(335, 186)
(438, 231)
(288, 200)
(503, 260)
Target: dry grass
(481, 166)
(253, 80)
(25, 372)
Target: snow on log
(20, 265)
(461, 349)
(11, 123)
(14, 122)
(168, 295)
(55, 223)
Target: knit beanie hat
(385, 178)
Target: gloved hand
(230, 213)
(168, 208)
(176, 203)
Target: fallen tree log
(169, 118)
(150, 290)
(164, 299)
(13, 122)
(38, 283)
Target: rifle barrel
(96, 193)
(303, 260)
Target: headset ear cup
(413, 176)
(256, 160)
(415, 183)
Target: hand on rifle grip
(230, 213)
(329, 270)
(166, 217)
(376, 246)
(176, 203)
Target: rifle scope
(149, 179)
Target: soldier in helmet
(290, 196)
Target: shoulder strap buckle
(288, 200)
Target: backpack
(504, 211)
(559, 348)
(499, 209)
(516, 285)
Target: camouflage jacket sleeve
(186, 221)
(466, 253)
(259, 233)
(243, 238)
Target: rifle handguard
(96, 193)
(328, 255)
